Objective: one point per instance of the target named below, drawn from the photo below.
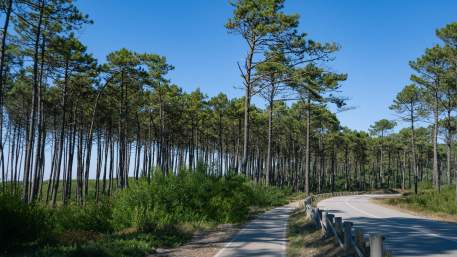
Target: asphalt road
(406, 234)
(264, 236)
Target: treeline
(67, 116)
(431, 99)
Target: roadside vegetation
(305, 239)
(428, 202)
(162, 212)
(110, 158)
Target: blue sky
(378, 38)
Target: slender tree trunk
(413, 149)
(307, 153)
(9, 9)
(62, 133)
(449, 136)
(247, 103)
(270, 128)
(435, 171)
(31, 128)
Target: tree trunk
(2, 65)
(413, 149)
(307, 153)
(31, 128)
(270, 128)
(435, 171)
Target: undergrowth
(164, 211)
(430, 200)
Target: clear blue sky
(378, 38)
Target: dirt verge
(304, 239)
(203, 244)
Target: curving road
(264, 236)
(406, 234)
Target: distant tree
(220, 105)
(381, 128)
(408, 104)
(313, 84)
(272, 73)
(448, 35)
(261, 23)
(430, 71)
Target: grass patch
(428, 202)
(304, 239)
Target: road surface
(406, 234)
(264, 236)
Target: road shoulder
(385, 202)
(204, 244)
(305, 239)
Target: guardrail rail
(352, 240)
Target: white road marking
(227, 245)
(360, 210)
(279, 247)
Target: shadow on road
(412, 236)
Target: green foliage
(430, 200)
(230, 200)
(382, 126)
(111, 246)
(260, 18)
(90, 217)
(269, 196)
(160, 212)
(21, 223)
(189, 197)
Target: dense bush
(430, 200)
(162, 211)
(265, 196)
(230, 200)
(189, 197)
(168, 199)
(90, 217)
(21, 223)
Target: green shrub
(264, 196)
(139, 206)
(431, 200)
(21, 223)
(90, 217)
(165, 201)
(230, 200)
(158, 212)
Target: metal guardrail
(352, 241)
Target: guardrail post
(324, 223)
(376, 245)
(360, 240)
(338, 226)
(330, 221)
(308, 200)
(316, 217)
(347, 226)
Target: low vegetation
(164, 212)
(305, 238)
(428, 202)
